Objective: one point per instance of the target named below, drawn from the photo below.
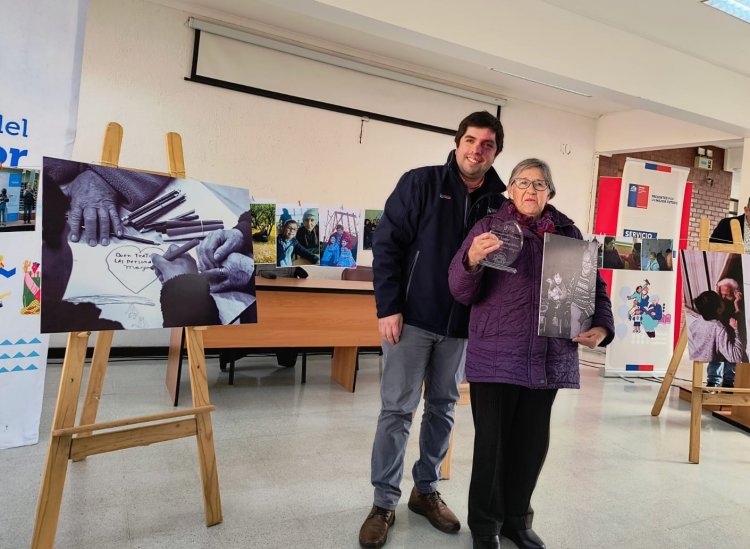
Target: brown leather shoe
(434, 508)
(374, 531)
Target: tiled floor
(294, 467)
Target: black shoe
(485, 542)
(711, 384)
(524, 539)
(728, 385)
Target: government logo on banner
(637, 196)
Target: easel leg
(205, 436)
(56, 465)
(674, 363)
(696, 409)
(99, 364)
(445, 467)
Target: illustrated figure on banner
(32, 277)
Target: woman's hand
(482, 245)
(592, 337)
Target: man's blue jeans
(717, 370)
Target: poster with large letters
(650, 202)
(42, 44)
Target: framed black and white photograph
(567, 295)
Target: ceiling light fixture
(541, 83)
(736, 8)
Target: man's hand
(217, 246)
(482, 245)
(390, 327)
(92, 206)
(591, 338)
(234, 274)
(166, 270)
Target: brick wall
(710, 199)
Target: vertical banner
(39, 90)
(645, 205)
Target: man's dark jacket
(424, 223)
(723, 232)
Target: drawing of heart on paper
(132, 266)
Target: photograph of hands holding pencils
(147, 250)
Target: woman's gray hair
(531, 163)
(310, 212)
(728, 282)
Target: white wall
(638, 130)
(136, 55)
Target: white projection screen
(249, 68)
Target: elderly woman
(514, 374)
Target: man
(424, 223)
(309, 234)
(28, 205)
(722, 373)
(723, 233)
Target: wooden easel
(70, 442)
(700, 393)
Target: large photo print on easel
(131, 250)
(714, 306)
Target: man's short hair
(482, 119)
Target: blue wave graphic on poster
(4, 356)
(6, 342)
(32, 353)
(18, 368)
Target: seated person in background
(286, 245)
(708, 338)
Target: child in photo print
(568, 286)
(372, 218)
(297, 227)
(341, 228)
(714, 306)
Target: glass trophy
(509, 232)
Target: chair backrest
(363, 274)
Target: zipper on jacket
(411, 274)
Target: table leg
(344, 367)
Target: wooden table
(295, 312)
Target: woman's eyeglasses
(539, 184)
